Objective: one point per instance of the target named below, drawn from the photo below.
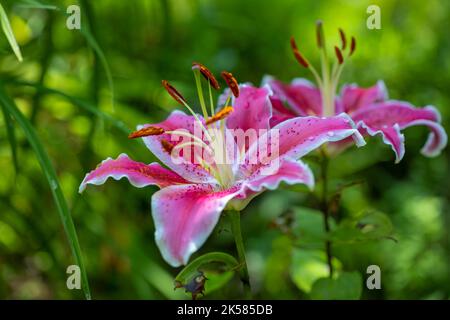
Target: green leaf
(369, 225)
(11, 137)
(99, 52)
(6, 27)
(191, 270)
(348, 286)
(308, 266)
(33, 4)
(77, 102)
(52, 179)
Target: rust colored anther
(297, 54)
(207, 74)
(339, 55)
(173, 92)
(343, 39)
(231, 82)
(319, 34)
(167, 146)
(352, 46)
(148, 131)
(222, 114)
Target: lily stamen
(222, 114)
(148, 131)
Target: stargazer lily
(198, 184)
(370, 108)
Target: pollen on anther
(339, 55)
(167, 146)
(343, 39)
(207, 74)
(298, 56)
(148, 131)
(222, 114)
(352, 46)
(173, 92)
(231, 82)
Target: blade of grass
(52, 179)
(33, 4)
(89, 35)
(75, 101)
(6, 27)
(11, 137)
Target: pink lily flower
(370, 108)
(194, 192)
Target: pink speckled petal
(354, 98)
(252, 109)
(388, 118)
(187, 169)
(184, 218)
(297, 137)
(139, 174)
(289, 171)
(302, 96)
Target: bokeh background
(126, 49)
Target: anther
(297, 54)
(352, 46)
(173, 92)
(343, 39)
(167, 146)
(148, 131)
(339, 55)
(319, 34)
(231, 82)
(222, 114)
(207, 74)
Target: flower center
(329, 78)
(212, 142)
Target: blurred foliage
(65, 87)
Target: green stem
(325, 209)
(235, 217)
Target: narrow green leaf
(192, 268)
(52, 179)
(6, 27)
(77, 102)
(11, 137)
(99, 52)
(33, 4)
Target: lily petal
(296, 137)
(289, 171)
(185, 216)
(302, 96)
(354, 98)
(187, 169)
(252, 109)
(388, 118)
(139, 174)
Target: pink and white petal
(382, 117)
(186, 166)
(296, 137)
(301, 95)
(185, 216)
(354, 98)
(252, 109)
(390, 135)
(139, 174)
(289, 171)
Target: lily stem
(325, 209)
(235, 218)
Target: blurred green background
(141, 42)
